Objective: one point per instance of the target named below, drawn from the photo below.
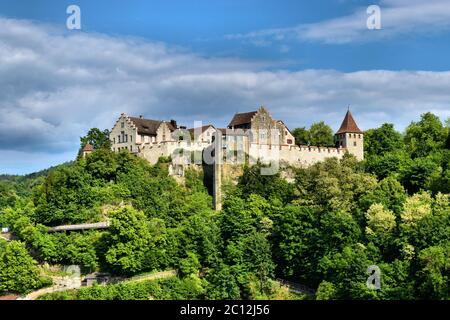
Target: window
(289, 141)
(131, 138)
(122, 125)
(131, 148)
(354, 143)
(359, 136)
(114, 139)
(118, 139)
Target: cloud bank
(55, 85)
(398, 17)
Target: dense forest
(323, 230)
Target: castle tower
(88, 149)
(349, 136)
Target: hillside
(323, 230)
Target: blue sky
(201, 26)
(204, 60)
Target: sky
(194, 60)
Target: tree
(102, 165)
(388, 164)
(416, 208)
(419, 174)
(325, 291)
(258, 257)
(338, 229)
(97, 138)
(189, 265)
(267, 186)
(425, 136)
(382, 140)
(222, 283)
(18, 270)
(435, 272)
(389, 192)
(295, 237)
(380, 224)
(241, 217)
(321, 135)
(347, 271)
(301, 136)
(65, 197)
(129, 240)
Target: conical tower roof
(349, 125)
(88, 147)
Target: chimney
(174, 124)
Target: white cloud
(54, 86)
(398, 17)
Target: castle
(254, 134)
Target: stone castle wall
(297, 156)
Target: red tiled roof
(349, 124)
(242, 118)
(88, 147)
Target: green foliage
(130, 241)
(326, 291)
(425, 136)
(419, 174)
(382, 140)
(223, 284)
(324, 230)
(301, 136)
(319, 134)
(435, 272)
(267, 186)
(163, 289)
(189, 265)
(18, 270)
(65, 197)
(97, 138)
(388, 164)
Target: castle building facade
(256, 134)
